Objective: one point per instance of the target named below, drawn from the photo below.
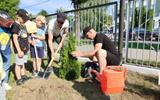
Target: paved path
(139, 54)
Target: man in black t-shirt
(104, 51)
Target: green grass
(148, 46)
(148, 63)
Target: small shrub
(70, 67)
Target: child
(5, 50)
(20, 44)
(2, 72)
(36, 48)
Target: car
(108, 33)
(140, 34)
(156, 33)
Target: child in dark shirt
(20, 44)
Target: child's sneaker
(7, 86)
(35, 74)
(38, 75)
(20, 82)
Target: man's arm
(63, 37)
(50, 43)
(97, 47)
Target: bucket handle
(125, 72)
(97, 74)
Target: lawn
(138, 86)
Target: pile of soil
(138, 87)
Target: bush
(70, 67)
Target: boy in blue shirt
(37, 45)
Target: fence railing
(141, 34)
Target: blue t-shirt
(5, 35)
(40, 32)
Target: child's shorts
(21, 61)
(40, 52)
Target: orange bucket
(112, 79)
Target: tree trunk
(77, 21)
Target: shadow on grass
(91, 91)
(141, 90)
(28, 66)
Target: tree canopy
(9, 6)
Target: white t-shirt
(54, 29)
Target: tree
(70, 67)
(76, 4)
(60, 10)
(43, 12)
(150, 22)
(143, 18)
(97, 17)
(9, 6)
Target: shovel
(49, 69)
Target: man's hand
(20, 54)
(53, 55)
(60, 45)
(76, 53)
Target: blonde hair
(41, 18)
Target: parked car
(141, 34)
(156, 33)
(108, 33)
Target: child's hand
(34, 36)
(33, 42)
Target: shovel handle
(50, 63)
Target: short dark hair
(86, 30)
(24, 14)
(61, 17)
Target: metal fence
(102, 17)
(141, 32)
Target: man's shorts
(21, 61)
(40, 52)
(112, 59)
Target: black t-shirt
(21, 31)
(107, 44)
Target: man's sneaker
(25, 78)
(20, 82)
(7, 86)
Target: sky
(35, 6)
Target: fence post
(127, 32)
(115, 18)
(121, 27)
